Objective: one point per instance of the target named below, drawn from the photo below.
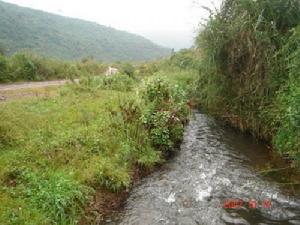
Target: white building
(111, 71)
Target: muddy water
(215, 166)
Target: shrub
(157, 90)
(91, 67)
(118, 82)
(149, 68)
(22, 67)
(4, 76)
(184, 59)
(165, 114)
(31, 67)
(157, 123)
(128, 69)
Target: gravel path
(28, 89)
(26, 85)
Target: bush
(128, 69)
(27, 66)
(159, 130)
(4, 76)
(149, 68)
(91, 67)
(157, 90)
(47, 69)
(185, 59)
(166, 113)
(22, 68)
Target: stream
(212, 180)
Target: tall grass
(244, 74)
(287, 102)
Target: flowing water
(215, 167)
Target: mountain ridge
(70, 38)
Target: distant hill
(62, 37)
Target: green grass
(55, 151)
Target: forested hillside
(67, 38)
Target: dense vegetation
(31, 67)
(249, 72)
(56, 151)
(65, 38)
(26, 66)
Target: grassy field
(57, 150)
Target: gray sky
(171, 23)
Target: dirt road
(29, 89)
(25, 85)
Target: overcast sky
(171, 23)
